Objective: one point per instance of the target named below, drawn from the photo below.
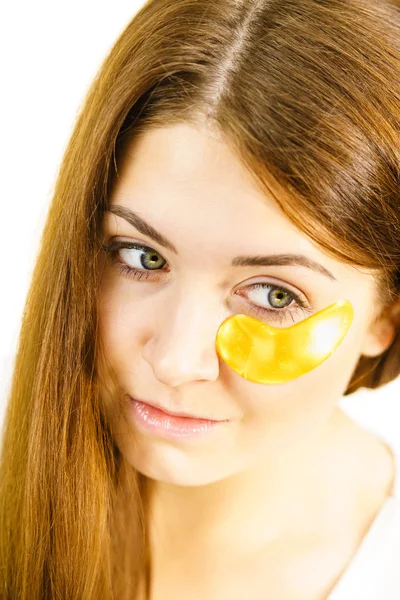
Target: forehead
(184, 175)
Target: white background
(49, 54)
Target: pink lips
(172, 414)
(156, 421)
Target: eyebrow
(239, 261)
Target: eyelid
(280, 284)
(120, 244)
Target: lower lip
(152, 420)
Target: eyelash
(135, 273)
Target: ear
(382, 331)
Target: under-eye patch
(265, 354)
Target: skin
(291, 482)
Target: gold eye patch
(265, 354)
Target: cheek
(117, 325)
(119, 335)
(279, 415)
(125, 309)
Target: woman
(213, 131)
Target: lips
(172, 413)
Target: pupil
(150, 259)
(278, 296)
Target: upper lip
(174, 413)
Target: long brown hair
(307, 93)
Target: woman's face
(159, 328)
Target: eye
(145, 260)
(279, 298)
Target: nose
(183, 345)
